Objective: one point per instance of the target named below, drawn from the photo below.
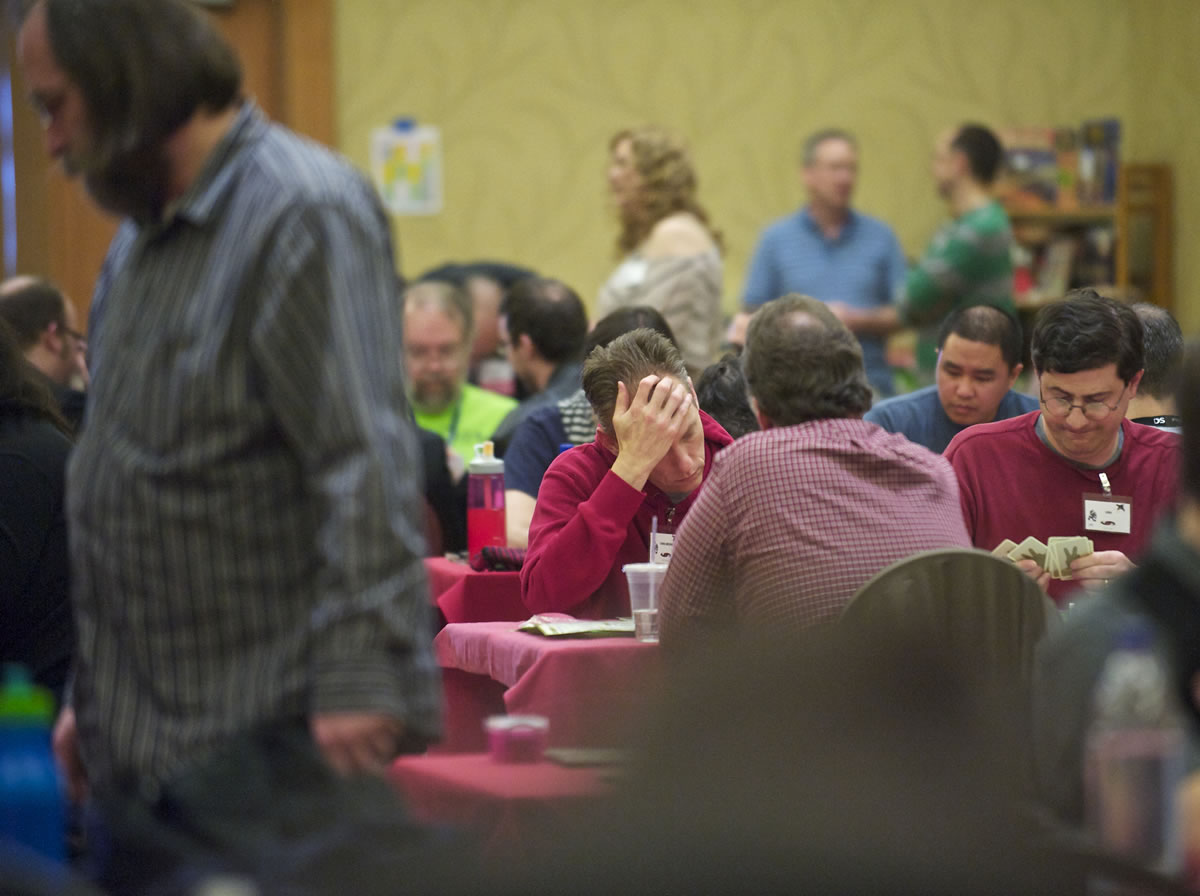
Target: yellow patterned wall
(526, 93)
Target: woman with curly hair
(671, 253)
(35, 613)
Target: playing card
(1030, 549)
(1004, 548)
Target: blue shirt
(864, 267)
(920, 417)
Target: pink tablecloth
(464, 595)
(590, 689)
(508, 805)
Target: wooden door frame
(286, 48)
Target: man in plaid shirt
(794, 519)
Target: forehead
(41, 70)
(425, 323)
(833, 149)
(944, 139)
(969, 353)
(623, 149)
(1096, 381)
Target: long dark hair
(22, 392)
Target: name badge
(1107, 513)
(664, 547)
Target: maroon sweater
(1012, 486)
(588, 523)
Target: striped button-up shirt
(243, 502)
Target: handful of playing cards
(1055, 557)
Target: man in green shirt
(969, 259)
(438, 332)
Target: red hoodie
(589, 522)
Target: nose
(964, 387)
(53, 140)
(684, 464)
(1070, 418)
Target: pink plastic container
(517, 738)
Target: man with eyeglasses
(1077, 466)
(44, 322)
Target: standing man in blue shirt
(828, 250)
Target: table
(508, 805)
(591, 689)
(466, 595)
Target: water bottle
(32, 806)
(1134, 763)
(485, 501)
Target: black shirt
(35, 612)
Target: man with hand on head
(979, 359)
(1077, 468)
(598, 502)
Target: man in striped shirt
(243, 507)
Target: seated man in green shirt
(968, 261)
(438, 331)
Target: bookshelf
(1124, 246)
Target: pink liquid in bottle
(486, 526)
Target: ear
(764, 422)
(607, 441)
(525, 345)
(1133, 383)
(51, 338)
(1014, 373)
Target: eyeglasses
(1062, 407)
(74, 334)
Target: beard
(434, 394)
(132, 183)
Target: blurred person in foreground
(794, 519)
(826, 764)
(551, 429)
(35, 609)
(1162, 348)
(672, 252)
(979, 360)
(249, 595)
(1077, 467)
(598, 502)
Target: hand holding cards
(1054, 558)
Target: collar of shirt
(199, 203)
(1040, 428)
(814, 228)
